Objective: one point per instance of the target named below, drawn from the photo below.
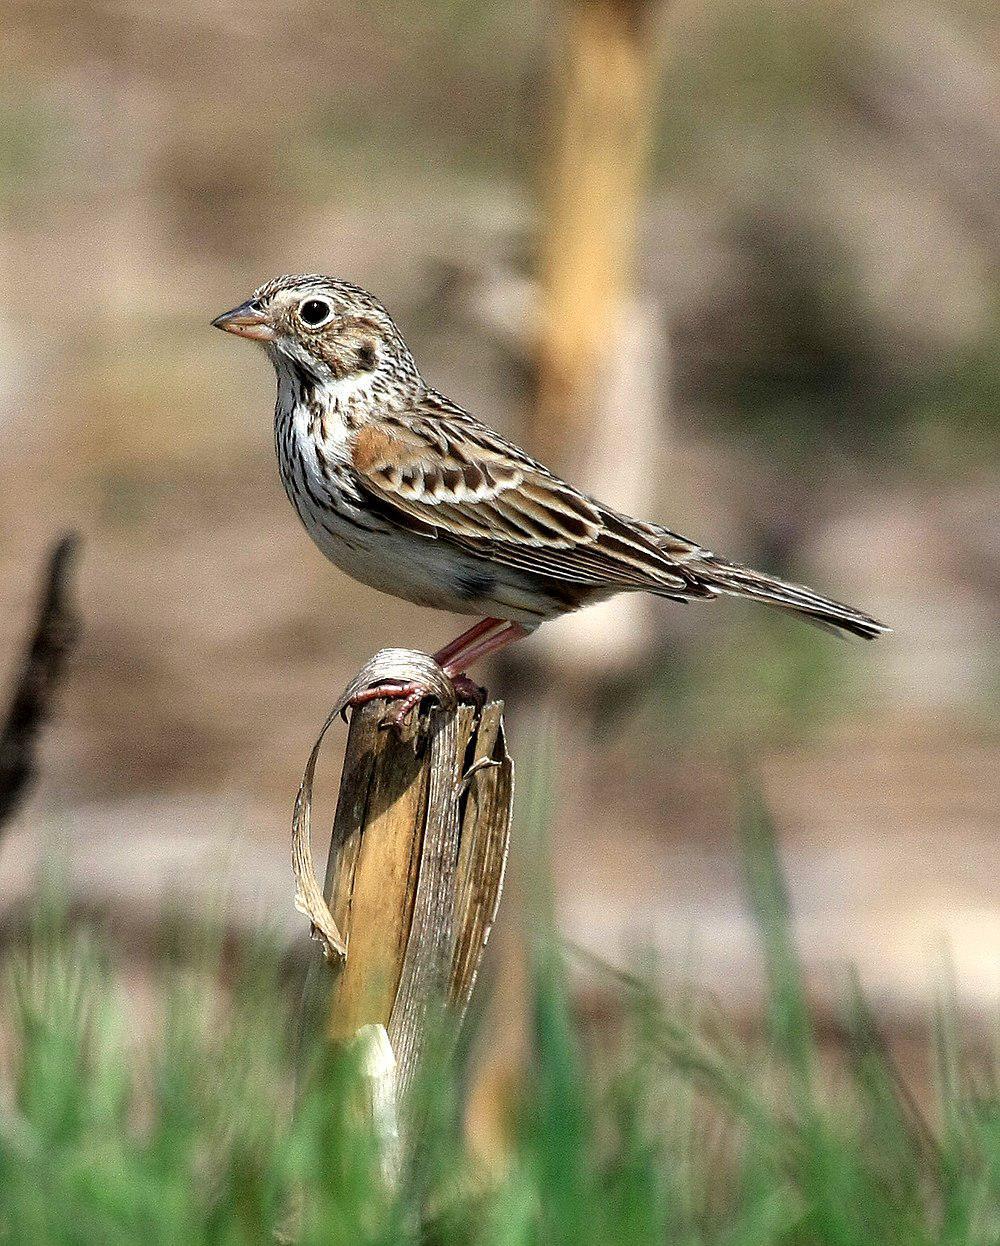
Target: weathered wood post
(414, 875)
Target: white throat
(346, 392)
(332, 395)
(319, 410)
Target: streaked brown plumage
(410, 493)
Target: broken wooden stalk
(414, 875)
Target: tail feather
(726, 577)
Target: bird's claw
(411, 696)
(410, 703)
(466, 691)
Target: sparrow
(406, 491)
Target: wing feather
(439, 471)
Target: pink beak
(247, 320)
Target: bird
(409, 493)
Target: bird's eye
(315, 312)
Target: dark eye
(315, 312)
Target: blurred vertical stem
(558, 1126)
(598, 169)
(789, 1023)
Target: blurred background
(730, 263)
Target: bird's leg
(410, 692)
(461, 653)
(475, 648)
(454, 647)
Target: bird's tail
(727, 577)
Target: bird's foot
(411, 695)
(410, 699)
(468, 691)
(408, 695)
(387, 691)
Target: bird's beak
(246, 321)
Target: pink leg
(454, 659)
(460, 661)
(467, 637)
(400, 690)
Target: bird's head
(334, 330)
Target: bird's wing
(442, 474)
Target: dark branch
(54, 634)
